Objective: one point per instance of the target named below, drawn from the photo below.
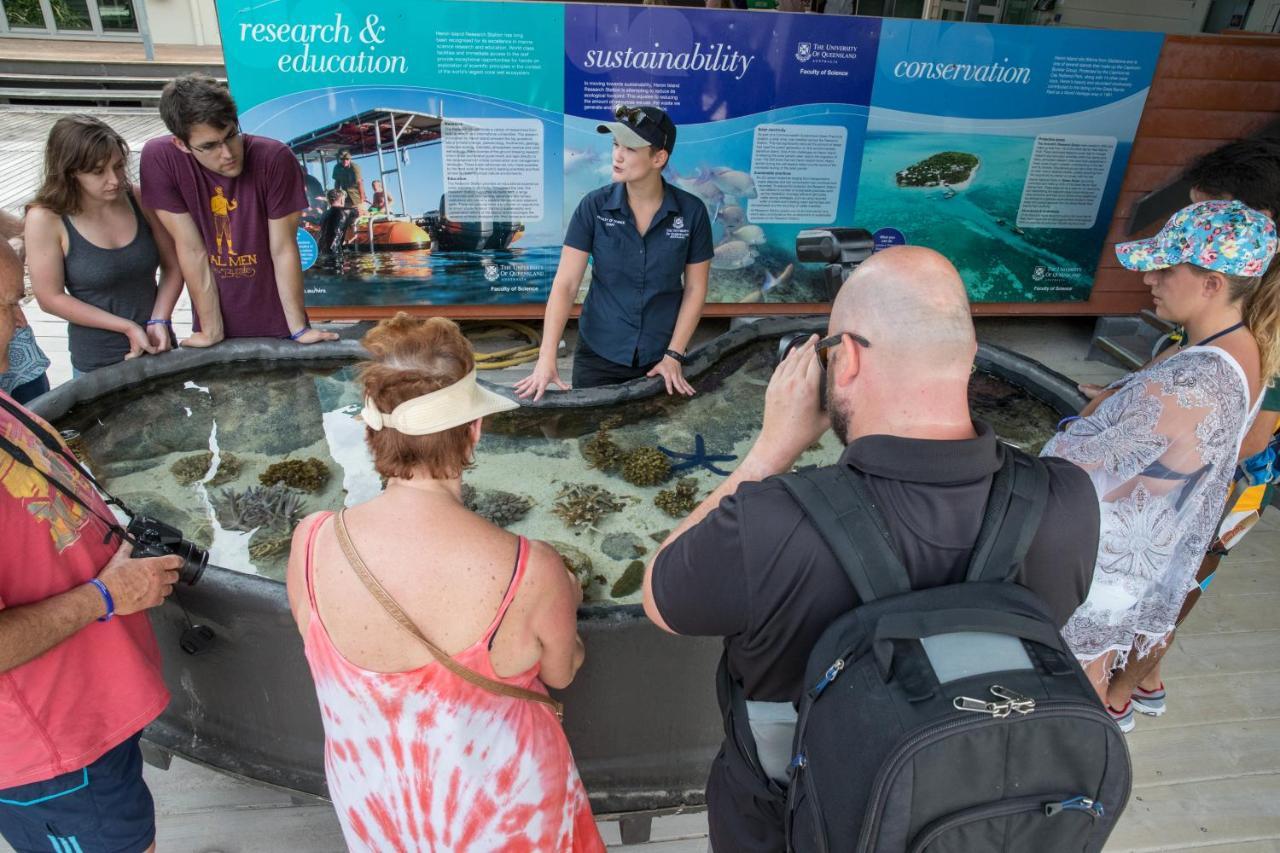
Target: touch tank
(234, 445)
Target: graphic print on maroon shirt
(232, 215)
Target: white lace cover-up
(1160, 452)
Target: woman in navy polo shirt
(650, 248)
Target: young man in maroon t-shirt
(232, 203)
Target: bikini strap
(522, 559)
(309, 561)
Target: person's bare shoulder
(546, 567)
(42, 228)
(39, 216)
(10, 274)
(10, 226)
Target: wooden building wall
(1208, 89)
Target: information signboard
(1002, 147)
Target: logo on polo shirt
(678, 222)
(677, 230)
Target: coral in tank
(262, 548)
(600, 450)
(306, 475)
(277, 506)
(681, 500)
(646, 466)
(190, 470)
(576, 561)
(502, 508)
(623, 546)
(630, 581)
(583, 505)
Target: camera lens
(787, 343)
(194, 561)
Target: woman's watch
(678, 356)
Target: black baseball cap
(637, 127)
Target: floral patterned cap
(1224, 236)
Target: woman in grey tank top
(93, 250)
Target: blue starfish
(699, 458)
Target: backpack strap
(1019, 494)
(840, 506)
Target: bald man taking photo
(749, 566)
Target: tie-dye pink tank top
(425, 761)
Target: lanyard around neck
(1228, 330)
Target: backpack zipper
(815, 806)
(1064, 707)
(1022, 805)
(1078, 804)
(829, 676)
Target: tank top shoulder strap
(73, 236)
(309, 561)
(522, 560)
(137, 211)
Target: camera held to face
(788, 343)
(154, 538)
(793, 341)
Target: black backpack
(951, 719)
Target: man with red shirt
(79, 667)
(232, 203)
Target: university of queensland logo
(804, 51)
(1039, 273)
(491, 272)
(678, 223)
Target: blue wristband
(300, 332)
(159, 323)
(106, 596)
(1068, 419)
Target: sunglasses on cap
(636, 117)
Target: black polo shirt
(757, 572)
(637, 282)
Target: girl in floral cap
(1161, 444)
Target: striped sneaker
(1149, 702)
(1123, 717)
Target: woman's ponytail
(1262, 316)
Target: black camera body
(794, 341)
(841, 249)
(787, 343)
(154, 538)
